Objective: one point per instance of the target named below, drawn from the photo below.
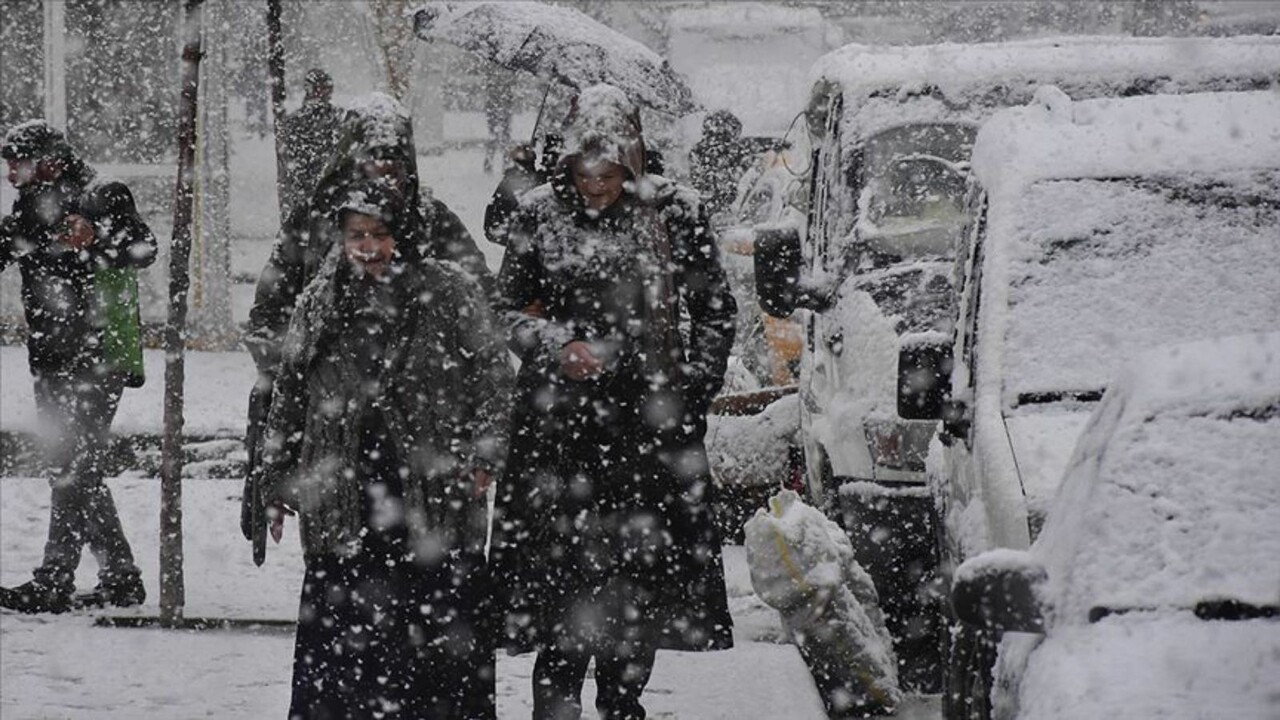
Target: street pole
(172, 590)
(55, 63)
(275, 76)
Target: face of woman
(599, 183)
(368, 242)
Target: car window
(1102, 268)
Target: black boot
(35, 597)
(121, 591)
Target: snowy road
(64, 667)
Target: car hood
(1154, 665)
(1042, 439)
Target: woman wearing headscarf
(615, 301)
(376, 144)
(387, 423)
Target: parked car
(1097, 229)
(1154, 589)
(872, 277)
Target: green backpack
(117, 290)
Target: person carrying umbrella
(604, 544)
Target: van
(1096, 230)
(870, 276)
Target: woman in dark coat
(604, 544)
(387, 422)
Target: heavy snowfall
(685, 359)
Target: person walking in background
(498, 87)
(386, 428)
(72, 240)
(310, 136)
(604, 544)
(717, 160)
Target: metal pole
(55, 62)
(275, 75)
(172, 590)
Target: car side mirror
(1000, 590)
(777, 258)
(924, 379)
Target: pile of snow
(802, 564)
(753, 450)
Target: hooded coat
(718, 160)
(65, 325)
(603, 524)
(442, 397)
(378, 130)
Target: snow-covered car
(1155, 585)
(1098, 229)
(872, 278)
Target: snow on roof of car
(956, 68)
(748, 19)
(1171, 498)
(1056, 137)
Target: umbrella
(559, 44)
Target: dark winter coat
(603, 524)
(718, 160)
(64, 325)
(310, 231)
(311, 135)
(442, 397)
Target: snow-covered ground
(65, 667)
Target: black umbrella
(559, 44)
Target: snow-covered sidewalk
(65, 667)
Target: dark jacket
(310, 231)
(718, 160)
(606, 499)
(64, 325)
(442, 398)
(311, 135)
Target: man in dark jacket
(377, 142)
(63, 234)
(310, 135)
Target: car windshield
(913, 188)
(1100, 269)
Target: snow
(961, 75)
(1147, 665)
(802, 564)
(62, 666)
(1108, 137)
(753, 450)
(1172, 496)
(582, 53)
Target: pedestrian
(377, 142)
(73, 240)
(310, 136)
(386, 428)
(498, 87)
(718, 160)
(604, 544)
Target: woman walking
(604, 546)
(385, 427)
